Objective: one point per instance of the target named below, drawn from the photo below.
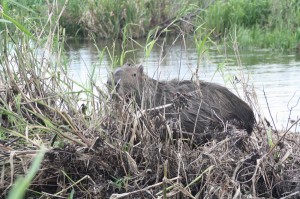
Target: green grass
(223, 15)
(22, 183)
(259, 23)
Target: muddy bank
(129, 158)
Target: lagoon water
(273, 76)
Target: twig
(270, 111)
(139, 114)
(74, 184)
(291, 109)
(280, 139)
(224, 126)
(116, 196)
(169, 22)
(292, 194)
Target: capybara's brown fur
(204, 105)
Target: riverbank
(91, 149)
(260, 23)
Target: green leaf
(4, 21)
(71, 194)
(21, 185)
(22, 6)
(17, 24)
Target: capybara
(201, 106)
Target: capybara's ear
(140, 69)
(127, 64)
(118, 72)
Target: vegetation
(92, 148)
(260, 23)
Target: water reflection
(275, 75)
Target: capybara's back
(202, 106)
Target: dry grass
(130, 155)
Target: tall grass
(261, 23)
(223, 15)
(38, 103)
(37, 93)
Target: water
(275, 76)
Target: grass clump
(224, 15)
(265, 24)
(110, 19)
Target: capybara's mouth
(117, 85)
(114, 85)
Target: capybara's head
(128, 80)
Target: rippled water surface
(275, 76)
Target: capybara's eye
(134, 74)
